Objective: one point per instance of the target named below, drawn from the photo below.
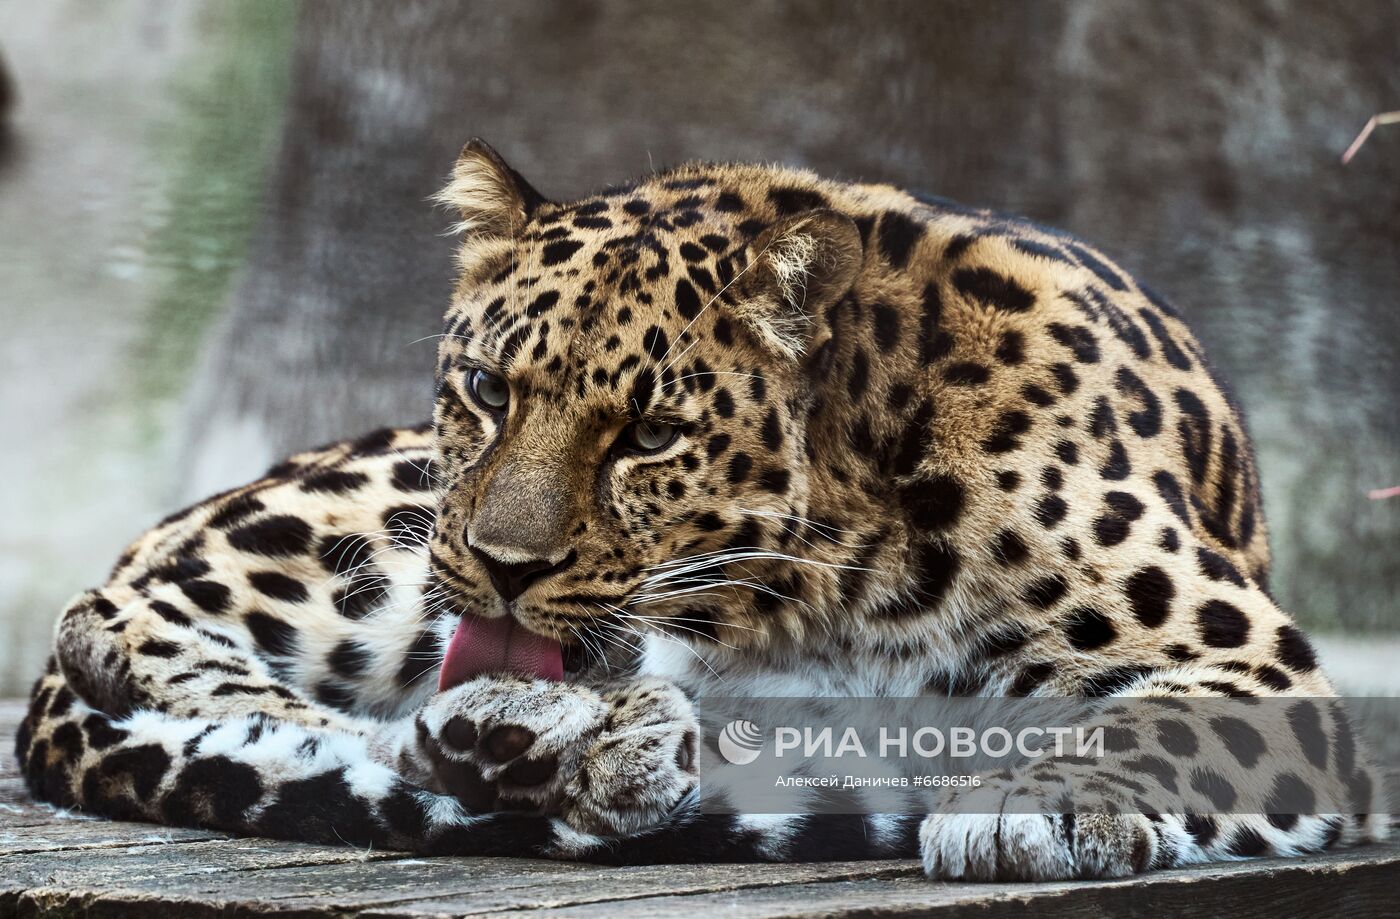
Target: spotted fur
(921, 449)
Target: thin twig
(1371, 125)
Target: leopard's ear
(800, 266)
(491, 197)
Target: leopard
(738, 429)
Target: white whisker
(743, 271)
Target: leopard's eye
(648, 436)
(490, 391)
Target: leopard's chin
(577, 659)
(585, 645)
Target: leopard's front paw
(1008, 841)
(608, 764)
(640, 767)
(500, 743)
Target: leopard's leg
(250, 774)
(148, 698)
(206, 633)
(1219, 772)
(266, 777)
(610, 759)
(268, 606)
(1185, 785)
(122, 652)
(304, 595)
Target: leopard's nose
(511, 579)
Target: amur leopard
(728, 428)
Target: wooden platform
(58, 864)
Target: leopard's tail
(260, 776)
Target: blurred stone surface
(130, 179)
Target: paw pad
(508, 741)
(460, 734)
(685, 753)
(531, 772)
(463, 781)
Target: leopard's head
(623, 388)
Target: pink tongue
(499, 645)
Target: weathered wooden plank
(340, 889)
(14, 799)
(198, 880)
(17, 808)
(1359, 889)
(60, 835)
(12, 791)
(607, 885)
(162, 862)
(671, 882)
(1359, 884)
